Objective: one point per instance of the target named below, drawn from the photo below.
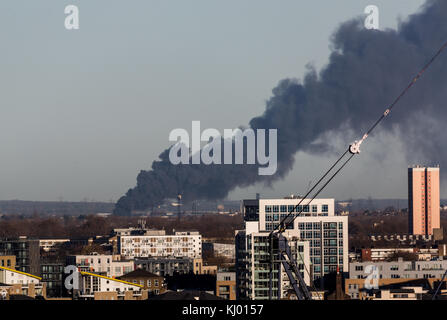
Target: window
(358, 268)
(306, 208)
(156, 282)
(268, 209)
(283, 208)
(148, 283)
(275, 208)
(291, 208)
(314, 208)
(325, 208)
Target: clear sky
(82, 112)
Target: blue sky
(84, 111)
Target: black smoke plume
(367, 69)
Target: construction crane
(280, 252)
(435, 295)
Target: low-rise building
(199, 267)
(15, 282)
(393, 289)
(107, 264)
(382, 254)
(166, 266)
(150, 281)
(398, 269)
(8, 261)
(97, 287)
(226, 285)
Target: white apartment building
(327, 233)
(111, 265)
(253, 267)
(181, 244)
(11, 276)
(399, 269)
(92, 283)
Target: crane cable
(356, 144)
(353, 149)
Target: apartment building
(382, 254)
(166, 266)
(326, 232)
(52, 273)
(110, 265)
(423, 200)
(26, 251)
(253, 267)
(393, 289)
(14, 282)
(150, 281)
(97, 287)
(399, 269)
(181, 244)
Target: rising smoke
(367, 69)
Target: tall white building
(325, 233)
(181, 244)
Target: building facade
(26, 251)
(423, 200)
(326, 232)
(181, 244)
(253, 264)
(226, 285)
(166, 266)
(109, 265)
(53, 275)
(97, 287)
(8, 261)
(399, 269)
(150, 281)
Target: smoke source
(366, 71)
